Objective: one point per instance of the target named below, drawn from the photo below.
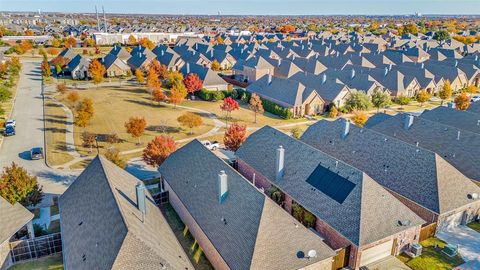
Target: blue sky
(254, 7)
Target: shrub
(276, 109)
(208, 95)
(302, 215)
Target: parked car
(10, 122)
(211, 145)
(475, 98)
(36, 153)
(9, 131)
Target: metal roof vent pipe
(279, 163)
(352, 73)
(408, 121)
(269, 78)
(279, 61)
(222, 186)
(188, 68)
(451, 105)
(458, 135)
(386, 71)
(141, 198)
(346, 128)
(324, 78)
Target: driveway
(468, 242)
(28, 113)
(389, 263)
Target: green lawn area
(54, 226)
(474, 225)
(432, 258)
(54, 262)
(115, 105)
(187, 240)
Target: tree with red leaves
(158, 150)
(234, 136)
(193, 83)
(228, 106)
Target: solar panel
(330, 183)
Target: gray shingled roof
(369, 212)
(250, 239)
(455, 118)
(284, 92)
(460, 149)
(102, 227)
(13, 218)
(474, 107)
(413, 172)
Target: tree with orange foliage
(73, 97)
(136, 127)
(190, 120)
(147, 43)
(52, 51)
(152, 80)
(288, 28)
(215, 66)
(161, 70)
(132, 40)
(70, 42)
(28, 32)
(359, 118)
(193, 83)
(158, 150)
(139, 76)
(234, 136)
(26, 45)
(97, 71)
(228, 106)
(61, 88)
(158, 95)
(256, 105)
(462, 101)
(46, 71)
(177, 94)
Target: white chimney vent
(352, 73)
(408, 121)
(222, 186)
(346, 128)
(188, 68)
(458, 135)
(324, 78)
(269, 78)
(279, 163)
(141, 200)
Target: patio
(468, 244)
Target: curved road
(28, 113)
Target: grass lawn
(55, 134)
(432, 258)
(474, 225)
(80, 165)
(54, 262)
(115, 105)
(186, 241)
(243, 115)
(54, 226)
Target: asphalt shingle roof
(102, 227)
(455, 118)
(369, 213)
(258, 233)
(13, 218)
(413, 172)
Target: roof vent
(472, 196)
(451, 105)
(408, 121)
(188, 68)
(141, 201)
(404, 222)
(458, 135)
(279, 163)
(352, 73)
(324, 78)
(346, 128)
(222, 186)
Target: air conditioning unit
(416, 249)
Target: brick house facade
(335, 240)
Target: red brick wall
(210, 252)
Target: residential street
(28, 113)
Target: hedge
(269, 106)
(212, 95)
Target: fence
(427, 231)
(36, 248)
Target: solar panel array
(331, 184)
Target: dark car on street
(9, 130)
(36, 153)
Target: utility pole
(98, 21)
(104, 20)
